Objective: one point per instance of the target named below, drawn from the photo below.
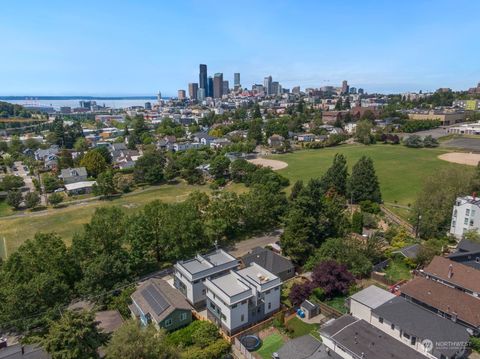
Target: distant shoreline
(20, 98)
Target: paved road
(243, 247)
(467, 144)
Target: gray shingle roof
(305, 347)
(157, 298)
(267, 259)
(359, 337)
(419, 322)
(409, 251)
(372, 296)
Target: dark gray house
(74, 175)
(468, 253)
(271, 261)
(155, 301)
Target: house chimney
(450, 271)
(474, 195)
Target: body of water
(56, 104)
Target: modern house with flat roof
(239, 299)
(155, 301)
(190, 275)
(465, 216)
(467, 253)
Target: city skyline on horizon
(424, 47)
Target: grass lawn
(270, 345)
(301, 328)
(69, 220)
(401, 170)
(5, 209)
(337, 303)
(397, 270)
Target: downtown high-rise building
(202, 78)
(236, 79)
(218, 85)
(345, 87)
(267, 84)
(193, 90)
(201, 94)
(210, 87)
(181, 94)
(226, 87)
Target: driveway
(241, 248)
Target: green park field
(401, 171)
(69, 220)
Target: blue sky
(138, 47)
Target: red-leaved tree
(332, 277)
(300, 292)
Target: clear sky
(108, 47)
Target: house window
(413, 340)
(453, 223)
(467, 212)
(392, 326)
(477, 259)
(471, 222)
(473, 213)
(267, 292)
(455, 213)
(407, 336)
(168, 322)
(276, 288)
(465, 221)
(212, 305)
(204, 291)
(380, 319)
(183, 316)
(242, 318)
(234, 306)
(269, 305)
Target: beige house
(447, 118)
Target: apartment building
(190, 275)
(465, 216)
(239, 299)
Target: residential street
(243, 247)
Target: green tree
(219, 166)
(81, 144)
(413, 141)
(14, 198)
(11, 182)
(74, 336)
(296, 190)
(222, 217)
(123, 182)
(363, 184)
(55, 199)
(105, 185)
(363, 132)
(132, 341)
(255, 131)
(35, 281)
(94, 163)
(103, 150)
(150, 168)
(357, 222)
(32, 199)
(336, 176)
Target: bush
(475, 343)
(55, 199)
(370, 207)
(318, 294)
(299, 292)
(357, 222)
(369, 221)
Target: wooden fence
(329, 311)
(239, 346)
(381, 278)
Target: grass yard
(337, 303)
(300, 328)
(5, 209)
(397, 270)
(69, 220)
(270, 345)
(400, 169)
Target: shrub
(319, 294)
(299, 292)
(370, 207)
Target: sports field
(66, 221)
(400, 169)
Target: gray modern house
(239, 299)
(190, 275)
(74, 175)
(271, 261)
(155, 301)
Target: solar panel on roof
(155, 299)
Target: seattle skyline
(136, 49)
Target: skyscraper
(276, 88)
(236, 79)
(225, 87)
(344, 87)
(192, 90)
(201, 95)
(210, 87)
(202, 78)
(218, 85)
(267, 83)
(181, 94)
(159, 97)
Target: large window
(168, 322)
(183, 316)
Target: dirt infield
(273, 164)
(462, 158)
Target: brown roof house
(155, 301)
(446, 301)
(451, 273)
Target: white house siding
(360, 310)
(465, 216)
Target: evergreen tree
(336, 176)
(363, 184)
(74, 336)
